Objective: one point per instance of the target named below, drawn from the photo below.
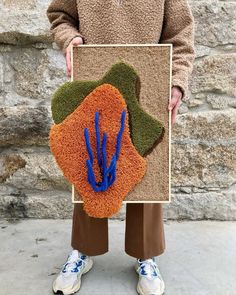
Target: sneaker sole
(141, 292)
(78, 285)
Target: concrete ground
(200, 259)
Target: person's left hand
(174, 104)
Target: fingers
(176, 95)
(174, 100)
(68, 61)
(75, 41)
(174, 112)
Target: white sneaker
(69, 278)
(150, 280)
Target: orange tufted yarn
(67, 144)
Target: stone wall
(203, 150)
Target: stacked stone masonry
(203, 139)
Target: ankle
(153, 258)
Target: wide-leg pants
(144, 234)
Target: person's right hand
(75, 41)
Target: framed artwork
(111, 136)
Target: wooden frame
(168, 48)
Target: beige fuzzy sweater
(129, 22)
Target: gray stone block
(24, 125)
(211, 205)
(58, 205)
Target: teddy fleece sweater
(129, 22)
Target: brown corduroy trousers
(144, 234)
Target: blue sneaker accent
(148, 268)
(75, 266)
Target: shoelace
(148, 268)
(73, 266)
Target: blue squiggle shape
(98, 138)
(108, 173)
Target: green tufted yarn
(145, 130)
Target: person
(77, 22)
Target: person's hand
(175, 102)
(75, 41)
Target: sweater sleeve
(178, 29)
(64, 19)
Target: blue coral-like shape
(108, 173)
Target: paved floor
(200, 259)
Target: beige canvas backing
(152, 62)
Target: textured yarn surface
(145, 130)
(67, 144)
(107, 171)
